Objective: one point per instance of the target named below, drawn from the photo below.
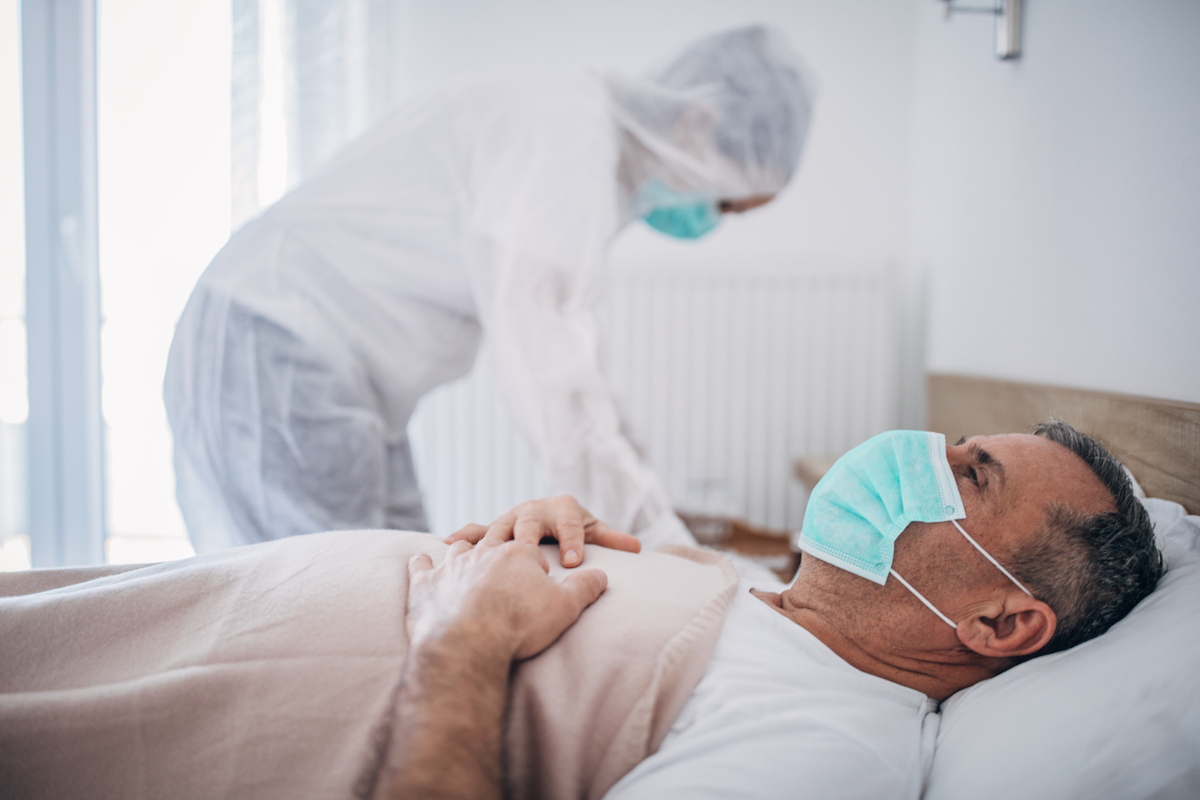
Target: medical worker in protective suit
(485, 209)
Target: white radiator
(726, 376)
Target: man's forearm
(448, 718)
(468, 619)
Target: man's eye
(972, 475)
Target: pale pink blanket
(263, 671)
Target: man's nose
(956, 453)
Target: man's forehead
(1047, 471)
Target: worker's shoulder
(532, 96)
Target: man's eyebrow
(985, 459)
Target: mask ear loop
(988, 556)
(921, 597)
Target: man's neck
(935, 671)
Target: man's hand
(560, 518)
(499, 593)
(467, 619)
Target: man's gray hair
(1091, 569)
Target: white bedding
(780, 715)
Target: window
(163, 84)
(14, 394)
(134, 174)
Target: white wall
(1056, 199)
(848, 201)
(1052, 202)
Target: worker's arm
(468, 620)
(544, 344)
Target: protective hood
(729, 116)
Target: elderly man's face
(1007, 483)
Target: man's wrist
(454, 684)
(463, 646)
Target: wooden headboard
(1159, 440)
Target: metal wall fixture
(1008, 23)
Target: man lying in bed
(1013, 546)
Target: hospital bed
(1116, 717)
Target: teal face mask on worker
(684, 215)
(870, 495)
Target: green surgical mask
(679, 214)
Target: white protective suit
(488, 207)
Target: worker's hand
(560, 518)
(494, 600)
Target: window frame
(65, 435)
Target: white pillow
(1116, 717)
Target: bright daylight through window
(164, 200)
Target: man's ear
(1023, 625)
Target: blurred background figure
(485, 208)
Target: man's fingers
(458, 548)
(419, 563)
(568, 523)
(528, 530)
(539, 555)
(583, 588)
(500, 531)
(560, 609)
(601, 534)
(467, 533)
